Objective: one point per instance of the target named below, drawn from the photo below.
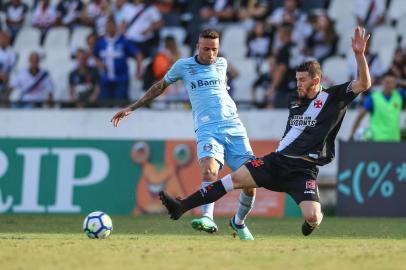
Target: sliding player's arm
(154, 91)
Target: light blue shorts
(226, 142)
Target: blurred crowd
(154, 34)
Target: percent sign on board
(374, 173)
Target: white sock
(244, 208)
(227, 182)
(207, 209)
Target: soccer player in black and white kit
(315, 117)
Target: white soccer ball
(97, 225)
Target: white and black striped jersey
(313, 124)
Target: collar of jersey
(197, 61)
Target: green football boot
(241, 230)
(204, 224)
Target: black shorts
(276, 172)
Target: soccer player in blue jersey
(112, 52)
(221, 136)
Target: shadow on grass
(332, 227)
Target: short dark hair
(312, 66)
(210, 34)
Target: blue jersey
(207, 89)
(113, 52)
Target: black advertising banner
(371, 179)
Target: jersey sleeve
(343, 93)
(175, 73)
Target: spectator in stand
(95, 15)
(120, 8)
(44, 17)
(83, 82)
(33, 84)
(190, 20)
(8, 58)
(170, 11)
(101, 20)
(69, 12)
(15, 16)
(91, 41)
(112, 51)
(322, 42)
(160, 64)
(256, 10)
(261, 85)
(216, 13)
(384, 106)
(398, 67)
(370, 13)
(283, 74)
(259, 44)
(141, 26)
(291, 14)
(91, 11)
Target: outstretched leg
(237, 180)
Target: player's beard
(302, 93)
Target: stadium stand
(61, 42)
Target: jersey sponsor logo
(311, 184)
(318, 103)
(200, 83)
(302, 121)
(257, 163)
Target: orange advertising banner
(172, 166)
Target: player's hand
(359, 40)
(120, 115)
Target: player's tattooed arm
(154, 91)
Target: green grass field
(155, 242)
